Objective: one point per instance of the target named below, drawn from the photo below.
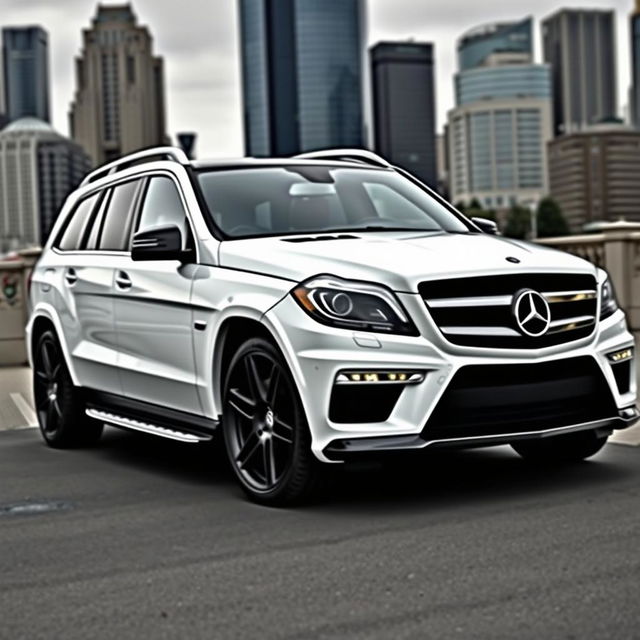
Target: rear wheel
(571, 447)
(59, 406)
(265, 429)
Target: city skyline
(203, 62)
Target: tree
(518, 222)
(551, 222)
(475, 210)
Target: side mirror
(158, 243)
(486, 226)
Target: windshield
(318, 199)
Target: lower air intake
(499, 399)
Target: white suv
(315, 309)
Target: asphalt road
(142, 538)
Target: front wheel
(59, 406)
(265, 429)
(568, 448)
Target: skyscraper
(499, 128)
(301, 75)
(634, 102)
(38, 169)
(119, 99)
(476, 45)
(579, 44)
(25, 53)
(404, 106)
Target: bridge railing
(14, 304)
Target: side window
(76, 228)
(96, 224)
(162, 205)
(117, 221)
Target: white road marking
(25, 409)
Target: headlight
(608, 302)
(353, 305)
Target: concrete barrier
(14, 305)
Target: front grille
(499, 399)
(477, 311)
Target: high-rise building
(25, 52)
(498, 131)
(579, 44)
(404, 106)
(119, 99)
(302, 75)
(38, 169)
(479, 43)
(593, 174)
(634, 95)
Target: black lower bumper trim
(347, 448)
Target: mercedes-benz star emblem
(531, 312)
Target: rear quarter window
(75, 229)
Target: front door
(153, 313)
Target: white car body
(158, 341)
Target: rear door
(85, 285)
(153, 313)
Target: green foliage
(551, 222)
(474, 210)
(518, 222)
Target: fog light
(380, 377)
(620, 356)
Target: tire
(572, 447)
(59, 405)
(265, 430)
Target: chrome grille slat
(467, 317)
(479, 331)
(477, 301)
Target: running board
(145, 427)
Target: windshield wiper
(381, 227)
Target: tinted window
(162, 205)
(96, 224)
(295, 199)
(116, 225)
(75, 231)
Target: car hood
(400, 260)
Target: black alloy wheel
(59, 406)
(266, 433)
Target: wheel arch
(43, 318)
(234, 331)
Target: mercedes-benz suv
(315, 309)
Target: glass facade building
(404, 106)
(512, 81)
(478, 44)
(302, 64)
(634, 97)
(500, 126)
(25, 52)
(579, 44)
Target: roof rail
(139, 157)
(357, 155)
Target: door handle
(123, 281)
(71, 276)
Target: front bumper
(317, 354)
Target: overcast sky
(199, 42)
